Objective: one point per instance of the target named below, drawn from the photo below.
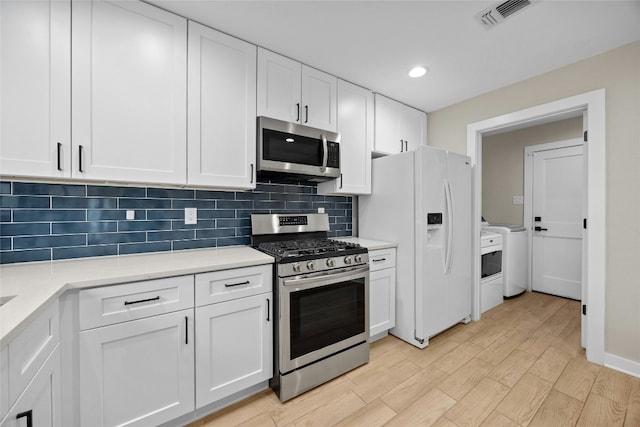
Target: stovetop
(308, 249)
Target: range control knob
(348, 259)
(331, 262)
(310, 265)
(358, 258)
(296, 267)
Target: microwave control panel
(333, 155)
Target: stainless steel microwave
(289, 148)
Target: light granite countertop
(37, 284)
(371, 245)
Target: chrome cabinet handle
(406, 145)
(379, 260)
(306, 112)
(401, 146)
(298, 108)
(340, 180)
(268, 310)
(251, 182)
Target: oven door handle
(327, 277)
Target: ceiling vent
(492, 16)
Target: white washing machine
(515, 260)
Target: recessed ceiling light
(418, 71)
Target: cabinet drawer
(382, 258)
(29, 350)
(108, 305)
(226, 285)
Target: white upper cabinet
(355, 125)
(222, 109)
(279, 86)
(129, 92)
(290, 91)
(319, 99)
(413, 125)
(398, 127)
(35, 88)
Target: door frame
(529, 150)
(591, 105)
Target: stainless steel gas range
(321, 301)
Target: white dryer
(515, 260)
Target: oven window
(326, 315)
(491, 263)
(303, 150)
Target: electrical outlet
(131, 214)
(190, 215)
(320, 210)
(518, 200)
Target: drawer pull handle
(268, 310)
(142, 300)
(230, 285)
(379, 260)
(29, 415)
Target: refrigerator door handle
(449, 204)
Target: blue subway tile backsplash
(42, 221)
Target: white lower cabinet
(40, 404)
(137, 373)
(30, 374)
(233, 346)
(382, 292)
(148, 357)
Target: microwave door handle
(325, 153)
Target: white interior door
(557, 220)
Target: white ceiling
(375, 43)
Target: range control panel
(293, 220)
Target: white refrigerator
(422, 200)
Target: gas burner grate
(294, 248)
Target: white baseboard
(621, 364)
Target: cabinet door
(355, 125)
(137, 373)
(413, 127)
(319, 99)
(35, 88)
(222, 109)
(387, 126)
(279, 85)
(40, 403)
(29, 350)
(234, 348)
(382, 300)
(129, 92)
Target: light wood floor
(521, 365)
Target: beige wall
(503, 166)
(618, 71)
